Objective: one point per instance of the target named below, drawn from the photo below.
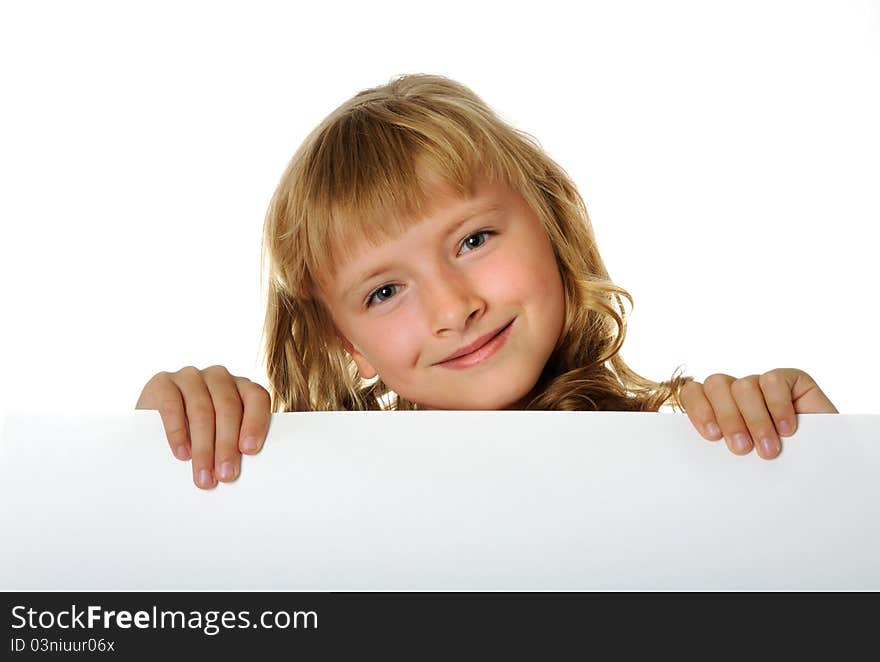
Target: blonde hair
(359, 176)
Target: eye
(381, 292)
(385, 292)
(476, 244)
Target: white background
(728, 153)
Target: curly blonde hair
(357, 177)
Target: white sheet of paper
(441, 501)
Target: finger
(227, 417)
(699, 410)
(733, 427)
(152, 389)
(806, 395)
(161, 393)
(776, 387)
(750, 399)
(200, 420)
(255, 424)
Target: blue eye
(466, 242)
(376, 292)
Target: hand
(755, 408)
(190, 400)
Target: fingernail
(784, 427)
(205, 479)
(226, 471)
(768, 447)
(249, 444)
(713, 430)
(741, 442)
(181, 453)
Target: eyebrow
(468, 215)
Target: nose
(452, 301)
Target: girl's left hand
(757, 408)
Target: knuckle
(216, 369)
(806, 377)
(742, 386)
(227, 402)
(251, 391)
(262, 393)
(188, 370)
(157, 387)
(716, 381)
(201, 412)
(176, 435)
(772, 378)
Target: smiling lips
(479, 350)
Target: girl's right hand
(211, 417)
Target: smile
(482, 353)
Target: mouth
(481, 350)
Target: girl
(423, 254)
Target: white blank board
(441, 501)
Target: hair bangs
(374, 172)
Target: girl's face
(469, 269)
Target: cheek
(537, 282)
(390, 342)
(525, 275)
